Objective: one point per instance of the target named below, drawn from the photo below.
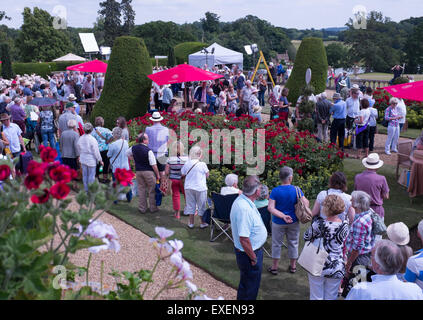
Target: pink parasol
(182, 73)
(410, 91)
(90, 66)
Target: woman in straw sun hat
(398, 233)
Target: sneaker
(388, 153)
(191, 226)
(396, 151)
(204, 225)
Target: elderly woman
(360, 240)
(392, 115)
(195, 172)
(263, 200)
(231, 181)
(89, 155)
(253, 102)
(232, 99)
(174, 164)
(103, 137)
(331, 234)
(284, 221)
(338, 186)
(121, 123)
(68, 142)
(117, 155)
(417, 144)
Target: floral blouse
(332, 236)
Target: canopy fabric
(411, 90)
(90, 66)
(182, 73)
(221, 55)
(70, 57)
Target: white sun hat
(398, 232)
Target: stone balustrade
(373, 83)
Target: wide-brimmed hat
(417, 157)
(4, 116)
(72, 97)
(355, 86)
(398, 232)
(372, 161)
(156, 116)
(343, 83)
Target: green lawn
(411, 133)
(218, 257)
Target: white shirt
(151, 158)
(353, 107)
(196, 179)
(402, 111)
(228, 190)
(12, 133)
(365, 113)
(373, 117)
(385, 287)
(89, 154)
(346, 197)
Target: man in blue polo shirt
(249, 234)
(339, 113)
(414, 269)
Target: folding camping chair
(266, 217)
(220, 218)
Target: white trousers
(392, 140)
(322, 288)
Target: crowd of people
(343, 223)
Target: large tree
(38, 40)
(111, 12)
(6, 67)
(3, 16)
(128, 17)
(338, 55)
(210, 22)
(414, 50)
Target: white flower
(185, 272)
(191, 286)
(163, 232)
(105, 232)
(176, 260)
(204, 297)
(177, 245)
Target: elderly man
(323, 106)
(147, 173)
(387, 260)
(13, 134)
(414, 269)
(372, 183)
(337, 129)
(66, 116)
(353, 107)
(245, 96)
(18, 114)
(158, 139)
(249, 234)
(69, 147)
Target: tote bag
(313, 257)
(302, 211)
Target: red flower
(61, 173)
(297, 147)
(4, 172)
(48, 154)
(60, 190)
(124, 176)
(35, 168)
(42, 198)
(33, 181)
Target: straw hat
(398, 232)
(4, 116)
(372, 161)
(71, 97)
(156, 116)
(343, 83)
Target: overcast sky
(301, 14)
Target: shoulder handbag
(378, 226)
(114, 160)
(183, 177)
(302, 211)
(313, 258)
(385, 122)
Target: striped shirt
(360, 237)
(175, 166)
(414, 270)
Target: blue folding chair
(267, 220)
(220, 218)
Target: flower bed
(414, 108)
(312, 162)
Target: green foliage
(210, 22)
(160, 62)
(42, 69)
(126, 87)
(128, 17)
(171, 61)
(311, 54)
(110, 10)
(38, 40)
(401, 80)
(6, 66)
(183, 50)
(414, 49)
(292, 52)
(338, 55)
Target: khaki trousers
(146, 184)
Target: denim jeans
(48, 137)
(249, 282)
(261, 97)
(88, 176)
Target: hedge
(126, 86)
(184, 49)
(42, 69)
(311, 54)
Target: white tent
(221, 55)
(70, 57)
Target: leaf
(88, 243)
(33, 283)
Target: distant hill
(335, 29)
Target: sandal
(272, 271)
(292, 270)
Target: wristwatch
(254, 260)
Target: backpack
(378, 226)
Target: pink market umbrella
(410, 91)
(182, 73)
(96, 66)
